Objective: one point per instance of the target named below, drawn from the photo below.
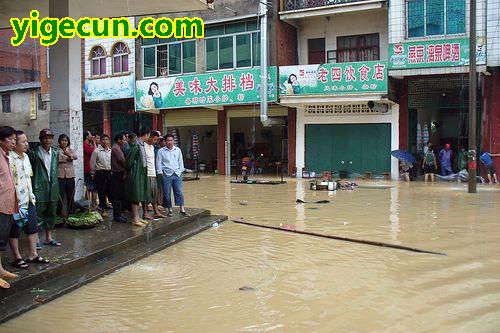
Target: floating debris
(300, 201)
(322, 201)
(287, 226)
(246, 288)
(244, 203)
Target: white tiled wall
(397, 18)
(346, 24)
(107, 44)
(488, 17)
(493, 31)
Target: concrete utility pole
(263, 61)
(472, 100)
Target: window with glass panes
(98, 60)
(358, 48)
(435, 17)
(232, 45)
(164, 57)
(120, 58)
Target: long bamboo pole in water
(345, 239)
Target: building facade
(24, 86)
(341, 67)
(429, 58)
(209, 89)
(108, 87)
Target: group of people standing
(38, 185)
(139, 169)
(443, 161)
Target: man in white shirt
(100, 167)
(152, 184)
(169, 165)
(26, 219)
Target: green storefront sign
(434, 53)
(334, 79)
(218, 88)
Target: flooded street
(297, 283)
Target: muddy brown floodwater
(238, 278)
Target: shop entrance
(264, 146)
(439, 106)
(438, 113)
(349, 148)
(191, 128)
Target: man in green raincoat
(136, 182)
(44, 161)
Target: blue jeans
(172, 182)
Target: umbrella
(404, 156)
(425, 134)
(419, 138)
(195, 147)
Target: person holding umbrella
(407, 160)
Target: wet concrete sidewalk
(87, 254)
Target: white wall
(302, 120)
(346, 24)
(107, 44)
(493, 32)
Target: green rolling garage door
(348, 147)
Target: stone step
(52, 281)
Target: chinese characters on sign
(435, 53)
(341, 78)
(234, 87)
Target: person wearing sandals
(7, 195)
(44, 161)
(66, 176)
(25, 219)
(169, 166)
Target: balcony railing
(304, 4)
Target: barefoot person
(169, 166)
(44, 160)
(135, 183)
(489, 166)
(429, 165)
(26, 219)
(152, 185)
(7, 195)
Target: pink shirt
(7, 189)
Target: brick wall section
(24, 63)
(491, 116)
(403, 114)
(286, 41)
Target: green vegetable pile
(85, 220)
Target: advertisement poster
(218, 88)
(435, 53)
(109, 88)
(328, 79)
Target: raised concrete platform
(89, 254)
